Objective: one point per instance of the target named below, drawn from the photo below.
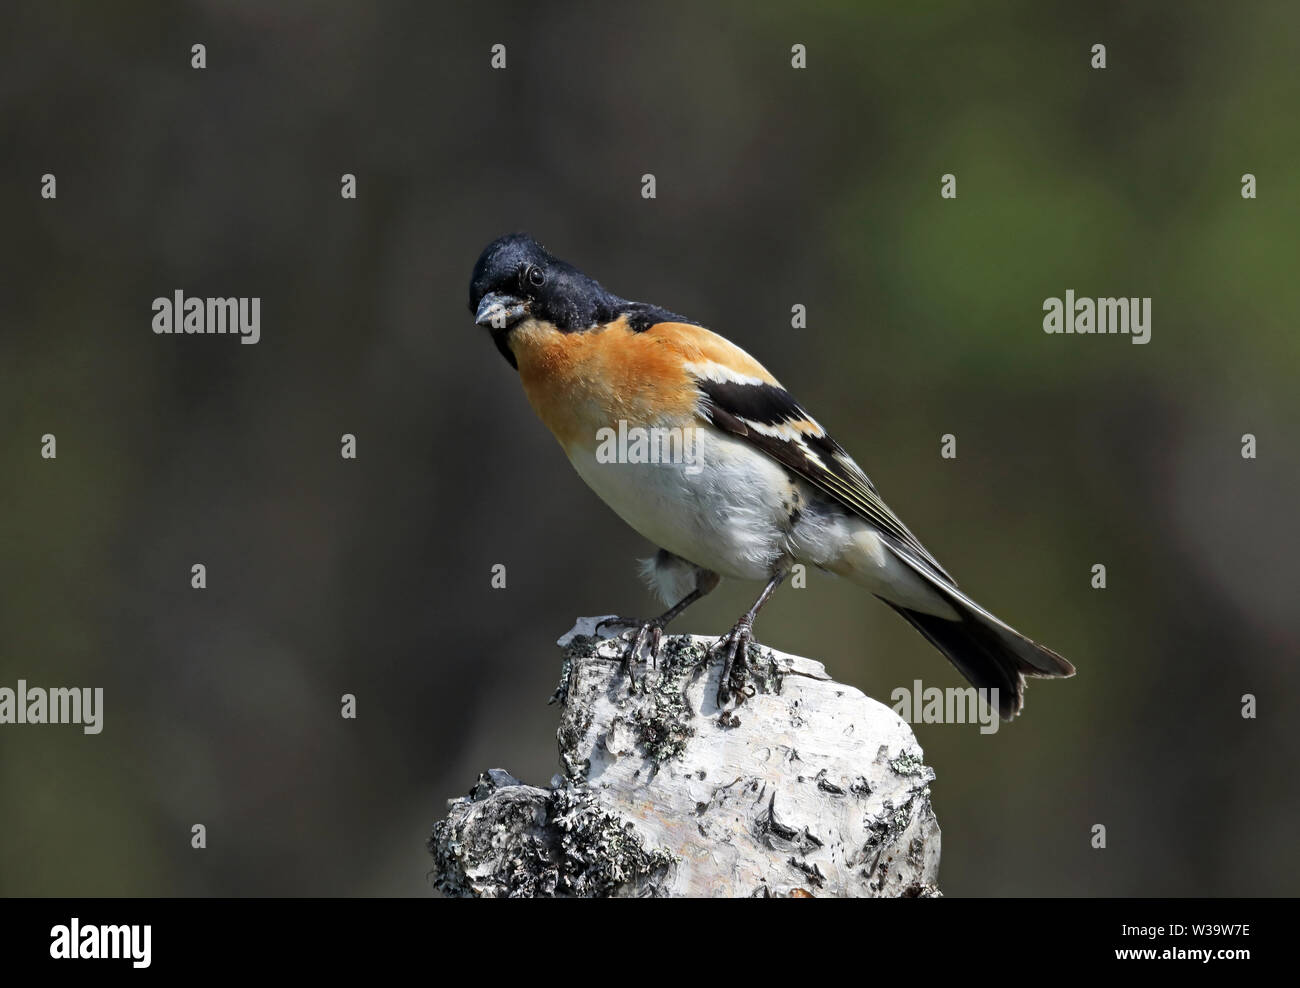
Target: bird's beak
(500, 311)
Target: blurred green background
(775, 187)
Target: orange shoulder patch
(700, 346)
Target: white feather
(725, 510)
(729, 510)
(709, 370)
(670, 577)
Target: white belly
(721, 510)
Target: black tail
(987, 652)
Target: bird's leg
(738, 639)
(653, 628)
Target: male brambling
(764, 486)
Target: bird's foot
(647, 629)
(732, 682)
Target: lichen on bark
(807, 788)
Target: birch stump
(807, 788)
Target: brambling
(748, 483)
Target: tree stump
(807, 788)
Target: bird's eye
(535, 276)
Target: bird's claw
(732, 680)
(651, 629)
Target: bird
(755, 486)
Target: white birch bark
(807, 788)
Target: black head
(516, 279)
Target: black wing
(768, 417)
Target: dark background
(775, 186)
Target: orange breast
(580, 383)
